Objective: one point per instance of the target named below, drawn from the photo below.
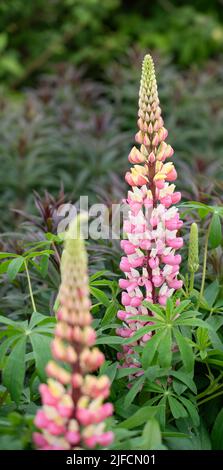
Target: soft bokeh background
(69, 72)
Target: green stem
(204, 264)
(209, 390)
(30, 287)
(191, 282)
(210, 398)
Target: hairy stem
(191, 282)
(204, 264)
(30, 287)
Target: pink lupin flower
(73, 413)
(150, 263)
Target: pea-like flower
(151, 265)
(73, 411)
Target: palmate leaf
(164, 350)
(126, 371)
(40, 320)
(177, 410)
(136, 387)
(192, 410)
(183, 305)
(185, 378)
(110, 312)
(185, 351)
(100, 296)
(42, 352)
(109, 340)
(151, 436)
(14, 267)
(6, 344)
(14, 371)
(160, 313)
(142, 331)
(139, 417)
(150, 349)
(14, 324)
(109, 369)
(211, 293)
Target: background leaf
(14, 371)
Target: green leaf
(109, 340)
(4, 266)
(5, 345)
(100, 296)
(39, 319)
(14, 371)
(199, 206)
(98, 274)
(185, 351)
(191, 408)
(133, 391)
(177, 410)
(42, 353)
(35, 254)
(150, 349)
(110, 313)
(124, 372)
(8, 255)
(154, 308)
(165, 353)
(193, 322)
(211, 293)
(139, 417)
(43, 266)
(179, 435)
(142, 331)
(169, 308)
(185, 378)
(151, 436)
(14, 267)
(8, 321)
(217, 432)
(215, 236)
(180, 308)
(109, 369)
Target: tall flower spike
(73, 412)
(150, 263)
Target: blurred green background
(69, 77)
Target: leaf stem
(191, 282)
(204, 264)
(210, 398)
(30, 287)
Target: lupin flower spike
(150, 263)
(73, 413)
(193, 254)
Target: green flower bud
(193, 254)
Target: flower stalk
(73, 413)
(193, 254)
(150, 264)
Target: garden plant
(100, 348)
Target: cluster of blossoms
(150, 263)
(73, 413)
